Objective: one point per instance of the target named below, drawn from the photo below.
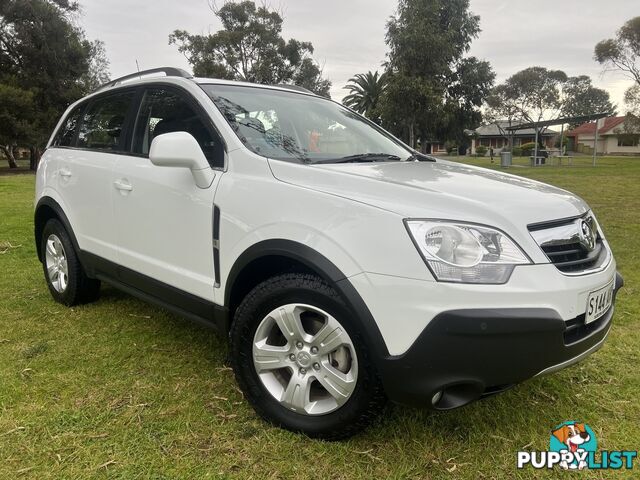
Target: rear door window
(103, 123)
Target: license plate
(599, 302)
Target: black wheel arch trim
(62, 217)
(329, 272)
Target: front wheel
(300, 361)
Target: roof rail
(168, 71)
(295, 88)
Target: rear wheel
(66, 279)
(300, 361)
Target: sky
(348, 35)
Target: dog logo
(574, 438)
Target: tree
(250, 47)
(468, 86)
(43, 51)
(17, 110)
(365, 89)
(431, 89)
(632, 119)
(531, 95)
(408, 106)
(582, 98)
(502, 107)
(98, 72)
(309, 76)
(536, 92)
(623, 51)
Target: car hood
(440, 189)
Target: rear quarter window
(66, 134)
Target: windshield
(300, 128)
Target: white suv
(344, 267)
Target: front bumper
(462, 355)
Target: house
(613, 137)
(495, 135)
(438, 148)
(434, 147)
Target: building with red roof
(612, 139)
(495, 135)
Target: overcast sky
(348, 35)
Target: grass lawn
(121, 389)
(23, 166)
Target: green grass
(23, 166)
(121, 389)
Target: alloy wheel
(56, 263)
(305, 359)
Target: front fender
(326, 269)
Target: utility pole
(595, 144)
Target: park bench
(568, 157)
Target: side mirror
(180, 149)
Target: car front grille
(573, 245)
(572, 258)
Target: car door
(164, 221)
(84, 171)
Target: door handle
(65, 172)
(123, 186)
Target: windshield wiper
(362, 157)
(420, 157)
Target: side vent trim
(216, 245)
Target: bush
(517, 151)
(565, 141)
(481, 151)
(527, 148)
(451, 147)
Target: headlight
(466, 253)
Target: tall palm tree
(365, 92)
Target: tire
(67, 280)
(330, 416)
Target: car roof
(177, 75)
(281, 87)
